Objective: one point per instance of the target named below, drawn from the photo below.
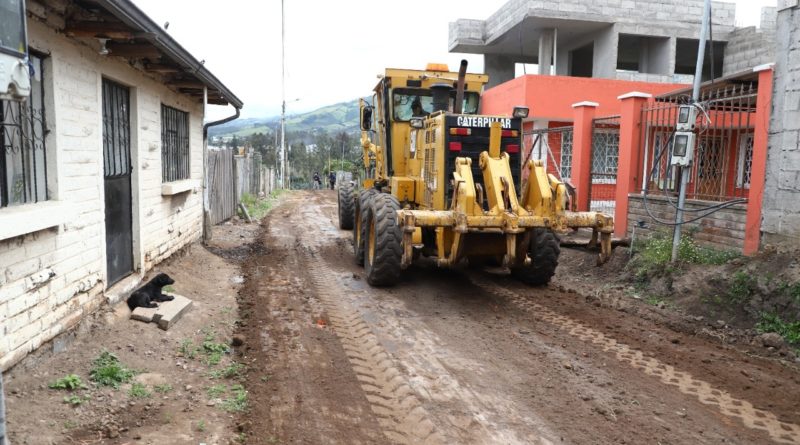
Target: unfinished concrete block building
(640, 40)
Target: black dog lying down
(147, 295)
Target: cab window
(404, 101)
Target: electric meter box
(687, 117)
(683, 148)
(15, 82)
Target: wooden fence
(221, 192)
(230, 177)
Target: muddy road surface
(474, 357)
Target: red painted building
(603, 136)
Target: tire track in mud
(744, 411)
(403, 418)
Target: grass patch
(772, 322)
(139, 391)
(654, 300)
(201, 425)
(742, 287)
(108, 371)
(209, 348)
(76, 400)
(188, 349)
(257, 208)
(69, 382)
(216, 391)
(168, 288)
(790, 290)
(163, 389)
(654, 254)
(238, 400)
(230, 371)
(213, 350)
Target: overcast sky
(334, 49)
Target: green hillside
(332, 118)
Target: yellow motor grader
(442, 181)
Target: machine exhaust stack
(462, 74)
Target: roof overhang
(130, 34)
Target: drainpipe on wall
(206, 182)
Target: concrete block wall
(723, 230)
(781, 208)
(51, 279)
(682, 16)
(747, 48)
(769, 18)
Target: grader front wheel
(360, 222)
(384, 248)
(544, 249)
(347, 204)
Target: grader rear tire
(384, 249)
(544, 249)
(360, 222)
(347, 204)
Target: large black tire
(543, 249)
(360, 222)
(384, 241)
(347, 206)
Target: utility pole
(686, 171)
(283, 98)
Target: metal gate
(605, 162)
(724, 150)
(117, 180)
(553, 146)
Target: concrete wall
(605, 54)
(747, 48)
(723, 230)
(648, 16)
(499, 69)
(781, 216)
(50, 279)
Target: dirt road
(473, 357)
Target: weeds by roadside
(69, 382)
(772, 322)
(163, 389)
(108, 371)
(228, 372)
(139, 391)
(654, 255)
(238, 400)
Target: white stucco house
(101, 170)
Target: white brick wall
(34, 307)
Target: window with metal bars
(175, 152)
(745, 160)
(23, 155)
(566, 155)
(605, 156)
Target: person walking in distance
(332, 179)
(317, 183)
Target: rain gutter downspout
(206, 182)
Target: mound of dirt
(739, 302)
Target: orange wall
(551, 97)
